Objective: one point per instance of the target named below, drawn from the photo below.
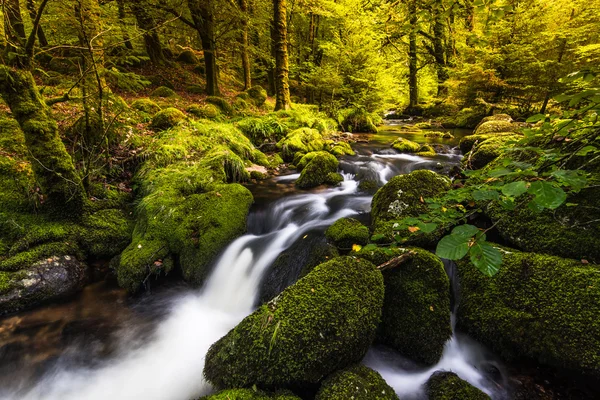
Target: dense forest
(300, 199)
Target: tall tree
(413, 69)
(202, 12)
(147, 23)
(244, 43)
(40, 31)
(282, 69)
(14, 29)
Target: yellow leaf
(413, 229)
(444, 209)
(356, 247)
(431, 308)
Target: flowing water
(156, 349)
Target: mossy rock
(105, 233)
(304, 140)
(275, 160)
(496, 118)
(195, 89)
(302, 160)
(487, 151)
(146, 106)
(249, 394)
(187, 57)
(401, 198)
(358, 120)
(317, 171)
(324, 322)
(439, 135)
(443, 385)
(341, 149)
(538, 307)
(334, 179)
(240, 105)
(207, 111)
(426, 150)
(416, 310)
(347, 231)
(258, 95)
(167, 118)
(368, 186)
(491, 127)
(357, 382)
(551, 231)
(163, 92)
(466, 143)
(423, 125)
(222, 104)
(405, 146)
(465, 118)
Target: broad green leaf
(587, 150)
(514, 189)
(427, 227)
(499, 172)
(547, 195)
(453, 247)
(484, 195)
(378, 237)
(536, 118)
(575, 179)
(485, 257)
(465, 230)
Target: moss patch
(317, 170)
(250, 394)
(357, 382)
(146, 106)
(167, 118)
(222, 104)
(358, 120)
(163, 92)
(324, 322)
(405, 146)
(347, 231)
(258, 95)
(303, 140)
(448, 386)
(207, 111)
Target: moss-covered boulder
(146, 106)
(163, 92)
(321, 324)
(443, 385)
(357, 382)
(426, 150)
(403, 196)
(571, 232)
(538, 307)
(347, 231)
(467, 143)
(405, 146)
(438, 135)
(495, 118)
(416, 311)
(492, 127)
(339, 149)
(317, 171)
(207, 111)
(187, 57)
(195, 89)
(334, 179)
(249, 394)
(487, 151)
(167, 118)
(258, 95)
(222, 104)
(358, 120)
(302, 160)
(465, 118)
(50, 279)
(304, 140)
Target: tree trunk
(202, 14)
(283, 101)
(469, 15)
(245, 44)
(33, 14)
(14, 30)
(147, 24)
(439, 52)
(122, 15)
(52, 165)
(413, 84)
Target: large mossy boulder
(405, 146)
(303, 140)
(346, 232)
(207, 111)
(358, 120)
(358, 383)
(249, 394)
(222, 104)
(146, 106)
(496, 126)
(319, 170)
(465, 118)
(323, 323)
(487, 151)
(538, 308)
(163, 92)
(443, 385)
(572, 232)
(403, 196)
(166, 119)
(50, 279)
(495, 118)
(416, 310)
(258, 95)
(467, 143)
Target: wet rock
(357, 382)
(317, 170)
(249, 394)
(346, 232)
(448, 386)
(44, 281)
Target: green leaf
(587, 150)
(575, 179)
(499, 172)
(486, 258)
(547, 195)
(484, 195)
(370, 247)
(465, 230)
(453, 247)
(514, 189)
(536, 118)
(427, 227)
(378, 237)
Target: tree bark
(413, 83)
(283, 101)
(14, 29)
(33, 15)
(147, 24)
(122, 15)
(52, 165)
(439, 52)
(202, 15)
(243, 4)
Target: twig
(395, 262)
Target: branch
(36, 24)
(395, 262)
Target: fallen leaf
(585, 261)
(356, 247)
(413, 229)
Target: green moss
(347, 231)
(570, 232)
(444, 385)
(163, 92)
(207, 111)
(146, 106)
(487, 151)
(240, 105)
(368, 186)
(303, 140)
(249, 394)
(26, 258)
(538, 307)
(405, 146)
(258, 95)
(357, 382)
(426, 151)
(439, 135)
(495, 126)
(275, 160)
(341, 149)
(358, 120)
(465, 118)
(416, 311)
(379, 255)
(262, 129)
(496, 117)
(317, 170)
(222, 104)
(401, 197)
(423, 125)
(187, 57)
(324, 322)
(302, 160)
(195, 89)
(5, 282)
(334, 179)
(105, 233)
(167, 118)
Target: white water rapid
(168, 365)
